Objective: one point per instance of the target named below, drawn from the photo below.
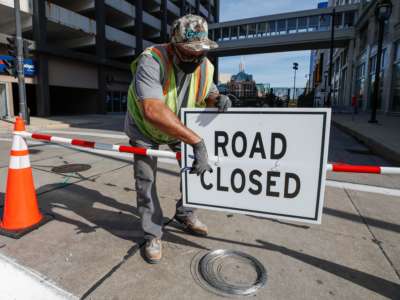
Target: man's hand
(223, 103)
(160, 116)
(200, 164)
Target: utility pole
(23, 108)
(295, 68)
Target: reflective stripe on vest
(163, 57)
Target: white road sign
(266, 162)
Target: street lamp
(383, 10)
(295, 68)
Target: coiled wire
(210, 267)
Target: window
(302, 24)
(396, 79)
(325, 22)
(313, 23)
(397, 52)
(292, 25)
(272, 28)
(282, 26)
(360, 81)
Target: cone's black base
(16, 234)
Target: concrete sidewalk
(92, 249)
(382, 138)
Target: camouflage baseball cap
(191, 31)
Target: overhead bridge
(302, 30)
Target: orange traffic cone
(21, 212)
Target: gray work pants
(145, 174)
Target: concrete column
(214, 61)
(164, 21)
(209, 10)
(39, 21)
(388, 79)
(216, 10)
(139, 26)
(366, 97)
(349, 82)
(101, 55)
(183, 7)
(367, 86)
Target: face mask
(187, 64)
(189, 67)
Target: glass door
(3, 101)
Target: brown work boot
(152, 251)
(193, 225)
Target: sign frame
(326, 121)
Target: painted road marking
(330, 183)
(19, 283)
(363, 188)
(88, 133)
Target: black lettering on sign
(244, 144)
(242, 181)
(258, 146)
(203, 184)
(272, 183)
(219, 186)
(221, 144)
(281, 137)
(256, 182)
(296, 191)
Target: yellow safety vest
(198, 90)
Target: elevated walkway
(302, 30)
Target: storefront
(4, 111)
(9, 89)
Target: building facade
(353, 68)
(82, 50)
(242, 85)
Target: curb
(373, 145)
(9, 126)
(24, 283)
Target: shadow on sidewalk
(371, 282)
(89, 210)
(90, 206)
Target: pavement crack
(131, 251)
(374, 238)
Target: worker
(166, 78)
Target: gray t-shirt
(148, 83)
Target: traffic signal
(10, 67)
(295, 66)
(11, 64)
(12, 46)
(26, 46)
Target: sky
(273, 68)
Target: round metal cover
(34, 151)
(229, 272)
(71, 168)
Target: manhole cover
(229, 272)
(34, 151)
(71, 168)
